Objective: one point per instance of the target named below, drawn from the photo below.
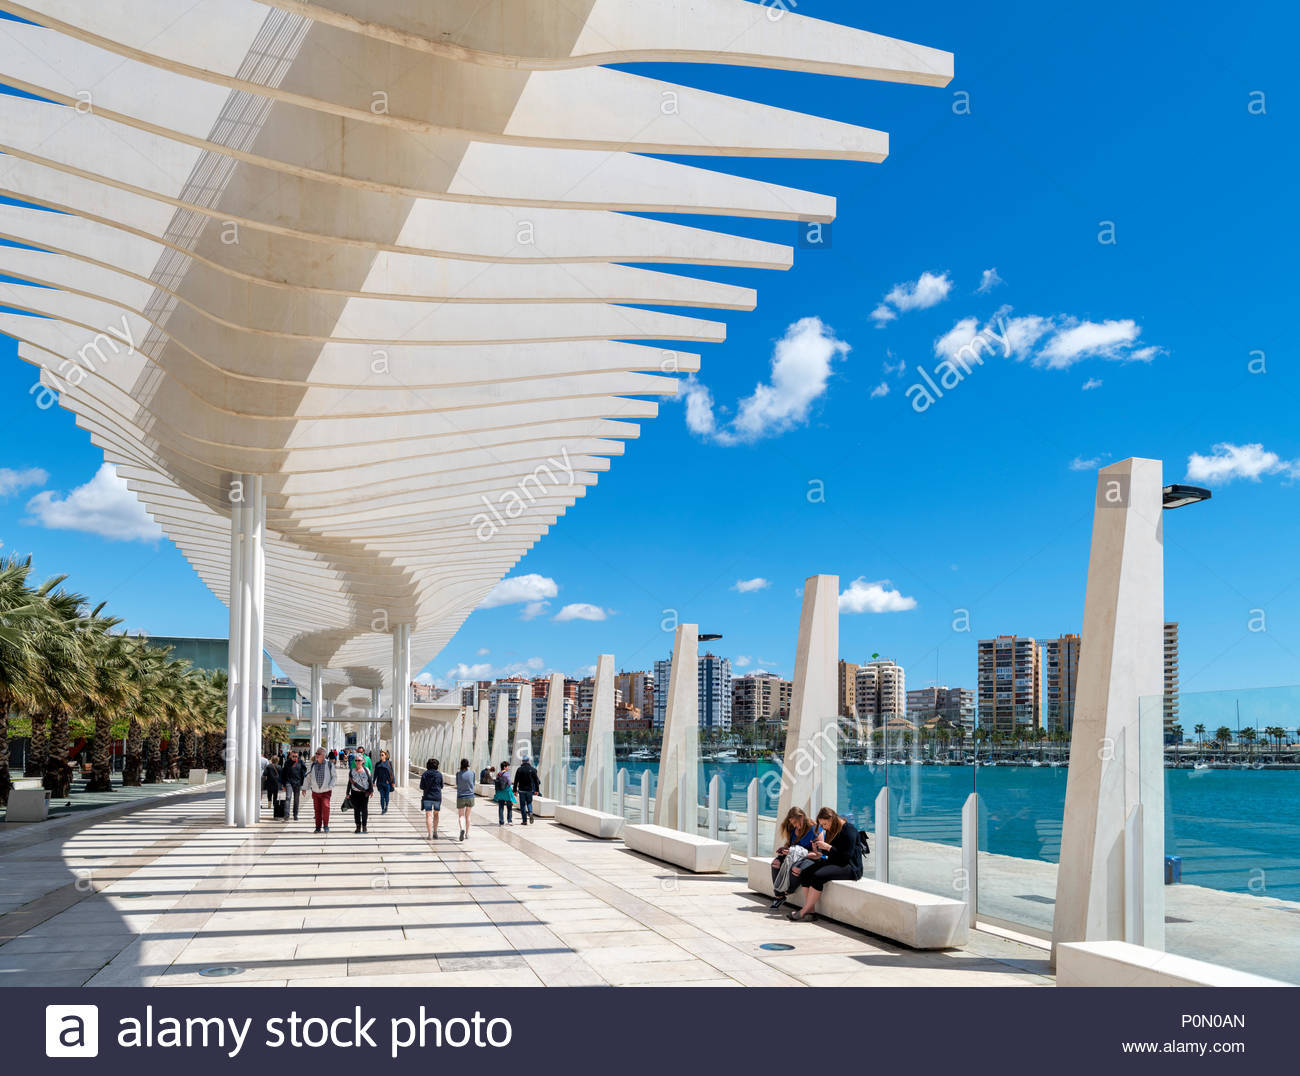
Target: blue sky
(1138, 115)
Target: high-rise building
(663, 672)
(1009, 683)
(714, 686)
(848, 688)
(715, 692)
(955, 704)
(1171, 676)
(880, 691)
(761, 699)
(638, 690)
(1061, 675)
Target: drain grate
(776, 947)
(219, 973)
(539, 887)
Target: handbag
(346, 805)
(281, 796)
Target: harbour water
(1234, 830)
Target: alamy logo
(71, 1031)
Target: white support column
(645, 797)
(881, 851)
(524, 725)
(715, 795)
(970, 854)
(479, 759)
(620, 792)
(751, 816)
(679, 752)
(401, 706)
(810, 766)
(551, 769)
(234, 752)
(317, 709)
(501, 730)
(244, 651)
(1121, 663)
(598, 765)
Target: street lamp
(1176, 496)
(707, 638)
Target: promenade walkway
(161, 895)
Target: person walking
(384, 781)
(431, 797)
(319, 781)
(361, 787)
(504, 796)
(291, 778)
(271, 785)
(526, 784)
(368, 761)
(464, 796)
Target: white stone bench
(543, 807)
(487, 791)
(916, 919)
(28, 805)
(596, 823)
(702, 855)
(1117, 963)
(198, 777)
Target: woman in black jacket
(840, 857)
(271, 783)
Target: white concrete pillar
(524, 725)
(244, 650)
(552, 762)
(479, 759)
(401, 706)
(598, 765)
(317, 709)
(810, 766)
(501, 730)
(679, 752)
(1115, 763)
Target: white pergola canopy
(370, 251)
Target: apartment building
(760, 699)
(714, 686)
(1009, 683)
(848, 675)
(1171, 677)
(955, 704)
(880, 691)
(1061, 676)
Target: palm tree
(111, 657)
(1223, 735)
(1247, 736)
(65, 683)
(1200, 739)
(19, 607)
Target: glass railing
(928, 786)
(1232, 827)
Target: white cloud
(1092, 383)
(742, 661)
(1089, 339)
(880, 390)
(483, 652)
(746, 586)
(520, 588)
(800, 370)
(874, 597)
(461, 671)
(486, 671)
(425, 678)
(1227, 462)
(533, 610)
(12, 481)
(895, 368)
(956, 338)
(1081, 464)
(988, 281)
(929, 289)
(580, 611)
(103, 506)
(1054, 343)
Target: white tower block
(479, 759)
(598, 766)
(810, 768)
(1120, 662)
(679, 755)
(552, 761)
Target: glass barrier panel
(1232, 827)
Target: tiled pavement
(158, 896)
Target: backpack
(863, 846)
(502, 782)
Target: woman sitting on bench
(795, 835)
(841, 855)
